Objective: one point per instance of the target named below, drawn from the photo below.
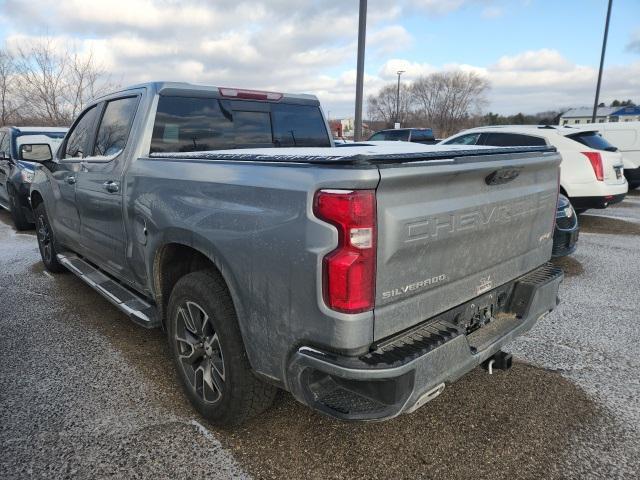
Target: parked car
(592, 172)
(228, 217)
(18, 146)
(416, 135)
(565, 235)
(625, 136)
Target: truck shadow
(515, 424)
(570, 266)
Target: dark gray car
(19, 147)
(360, 279)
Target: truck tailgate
(450, 230)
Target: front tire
(46, 242)
(209, 354)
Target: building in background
(604, 114)
(342, 128)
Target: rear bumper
(407, 370)
(584, 203)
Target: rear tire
(209, 354)
(19, 219)
(46, 242)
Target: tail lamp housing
(596, 163)
(349, 271)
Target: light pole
(604, 47)
(399, 72)
(362, 28)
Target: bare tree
(382, 107)
(42, 71)
(53, 84)
(87, 81)
(449, 100)
(8, 101)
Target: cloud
(534, 81)
(634, 43)
(287, 45)
(389, 39)
(492, 12)
(534, 60)
(439, 7)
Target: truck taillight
(349, 271)
(596, 163)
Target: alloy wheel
(44, 238)
(199, 352)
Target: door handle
(111, 186)
(71, 179)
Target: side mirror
(36, 152)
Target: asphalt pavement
(84, 393)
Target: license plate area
(618, 172)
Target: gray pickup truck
(360, 278)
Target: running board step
(136, 308)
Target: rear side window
(421, 135)
(593, 140)
(391, 135)
(199, 124)
(512, 140)
(77, 144)
(115, 125)
(298, 126)
(469, 139)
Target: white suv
(591, 172)
(625, 136)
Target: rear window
(593, 140)
(512, 140)
(198, 124)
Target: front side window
(78, 140)
(185, 124)
(513, 140)
(114, 127)
(469, 139)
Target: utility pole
(362, 28)
(604, 47)
(399, 72)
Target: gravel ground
(84, 393)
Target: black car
(565, 235)
(416, 135)
(17, 146)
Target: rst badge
(485, 285)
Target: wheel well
(172, 262)
(36, 199)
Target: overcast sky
(538, 54)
